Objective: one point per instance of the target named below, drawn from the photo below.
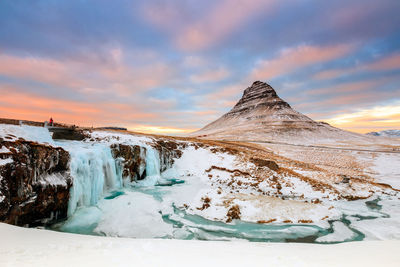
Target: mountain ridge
(386, 133)
(261, 114)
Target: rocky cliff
(34, 183)
(41, 184)
(134, 160)
(134, 157)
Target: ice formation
(94, 172)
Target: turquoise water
(187, 226)
(100, 200)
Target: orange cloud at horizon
(33, 107)
(159, 129)
(367, 120)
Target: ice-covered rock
(34, 182)
(133, 160)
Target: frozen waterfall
(95, 172)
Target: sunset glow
(171, 67)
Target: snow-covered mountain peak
(262, 115)
(259, 94)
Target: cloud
(113, 75)
(348, 87)
(18, 104)
(369, 119)
(346, 97)
(385, 63)
(224, 18)
(331, 74)
(302, 56)
(41, 70)
(159, 129)
(210, 76)
(390, 62)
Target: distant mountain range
(261, 115)
(386, 133)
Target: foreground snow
(33, 247)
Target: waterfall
(153, 167)
(152, 162)
(95, 172)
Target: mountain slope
(262, 115)
(386, 133)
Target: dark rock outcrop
(134, 160)
(134, 157)
(259, 94)
(69, 134)
(34, 183)
(265, 163)
(168, 151)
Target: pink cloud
(214, 26)
(18, 105)
(390, 62)
(88, 77)
(330, 74)
(350, 87)
(292, 59)
(38, 69)
(226, 17)
(350, 95)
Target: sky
(173, 66)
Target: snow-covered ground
(386, 169)
(31, 133)
(33, 247)
(211, 194)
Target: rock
(134, 157)
(168, 150)
(345, 179)
(265, 163)
(134, 160)
(35, 184)
(259, 94)
(77, 135)
(233, 213)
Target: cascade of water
(95, 171)
(152, 162)
(152, 168)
